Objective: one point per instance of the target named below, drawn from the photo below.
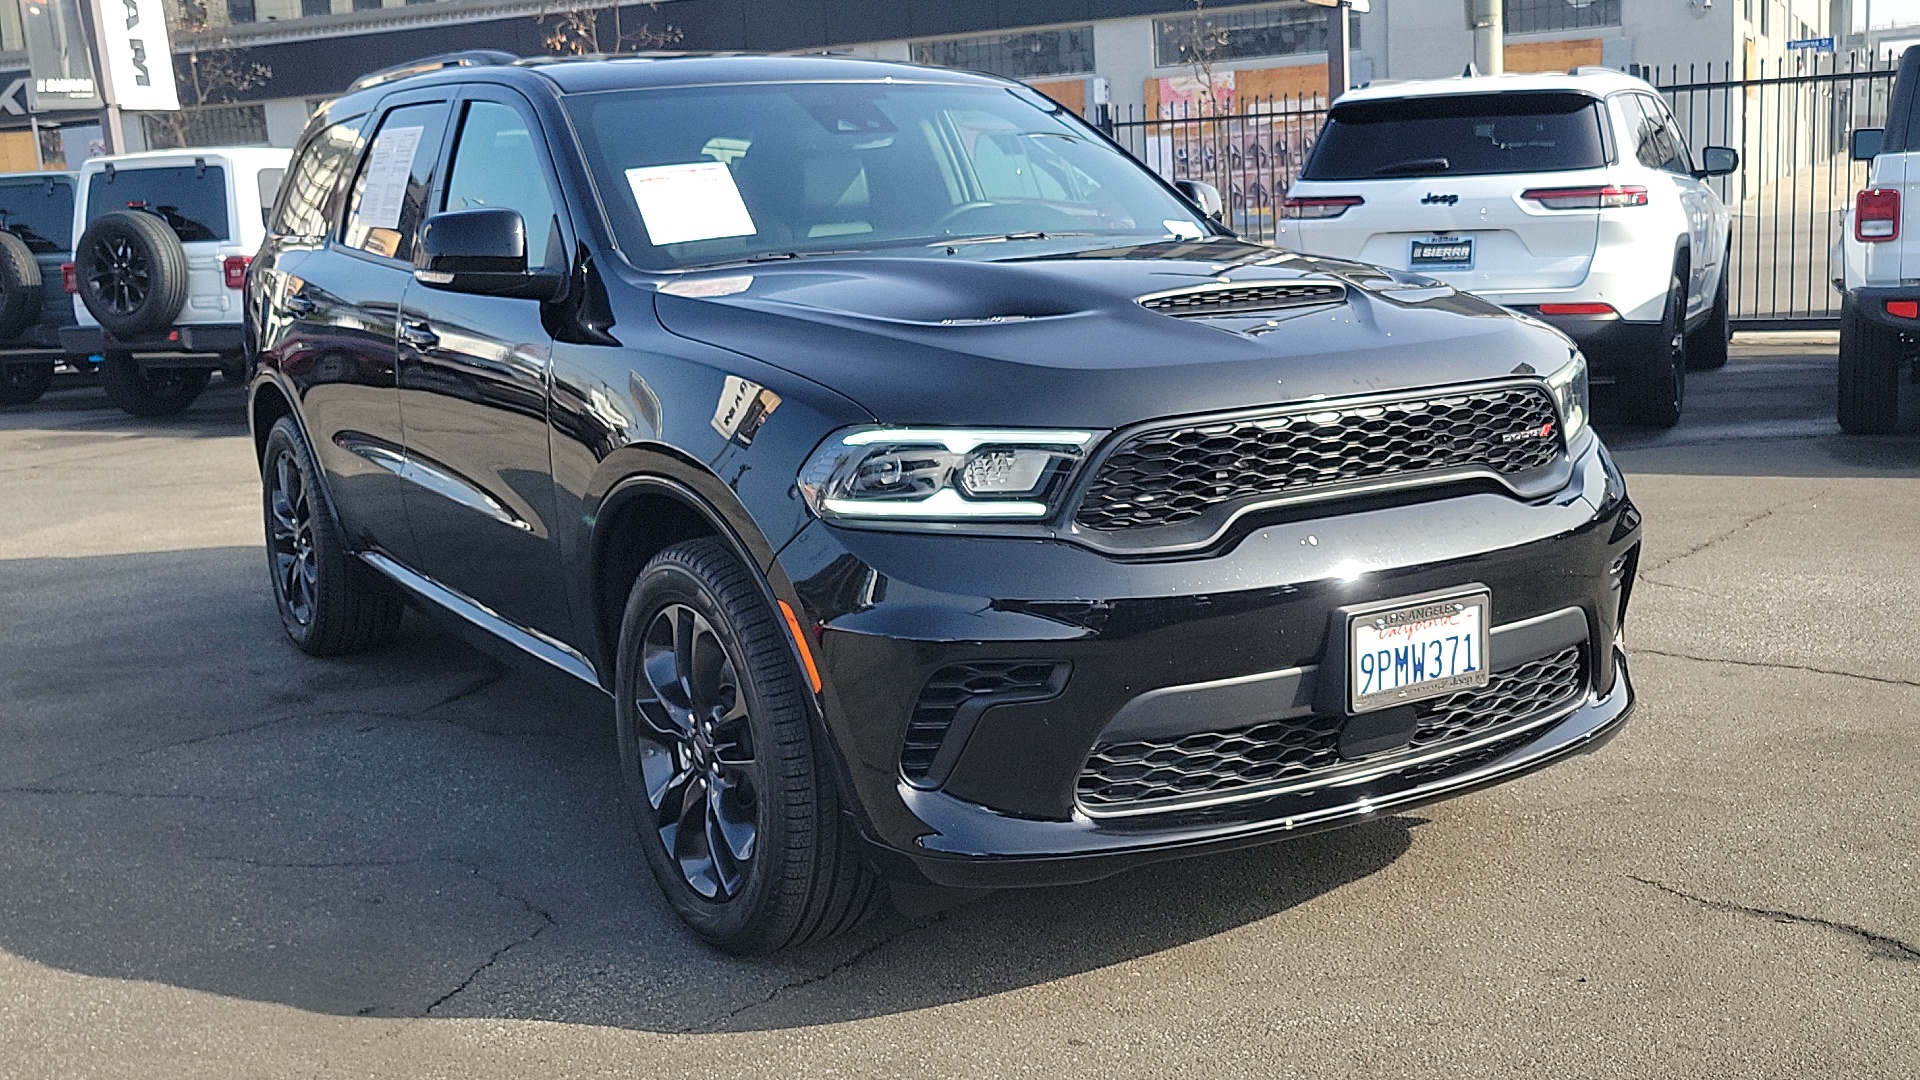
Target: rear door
(1434, 185)
(1659, 146)
(192, 197)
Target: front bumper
(1200, 640)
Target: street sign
(59, 56)
(1816, 44)
(136, 58)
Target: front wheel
(160, 391)
(1653, 388)
(22, 384)
(1707, 345)
(1870, 357)
(734, 801)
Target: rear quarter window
(1460, 135)
(40, 212)
(192, 198)
(312, 187)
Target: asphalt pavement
(219, 857)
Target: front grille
(1176, 474)
(1289, 752)
(967, 690)
(1242, 299)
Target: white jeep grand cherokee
(1571, 197)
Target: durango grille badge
(1544, 431)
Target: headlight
(1569, 386)
(941, 474)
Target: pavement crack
(466, 692)
(1727, 535)
(1642, 650)
(1657, 583)
(174, 745)
(1881, 944)
(547, 923)
(720, 1022)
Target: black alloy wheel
(696, 752)
(122, 274)
(296, 578)
(1653, 392)
(329, 601)
(22, 384)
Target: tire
(132, 272)
(1707, 345)
(729, 748)
(22, 384)
(21, 293)
(1870, 357)
(330, 602)
(1653, 389)
(162, 391)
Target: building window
(211, 125)
(1037, 54)
(240, 11)
(366, 5)
(1542, 16)
(1184, 40)
(310, 8)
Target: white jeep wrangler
(165, 239)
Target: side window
(315, 178)
(267, 183)
(495, 163)
(390, 193)
(1681, 160)
(1656, 142)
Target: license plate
(1442, 253)
(1426, 649)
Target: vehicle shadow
(79, 404)
(187, 800)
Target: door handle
(419, 335)
(298, 305)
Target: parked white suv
(1560, 195)
(165, 239)
(1876, 262)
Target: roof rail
(1594, 69)
(468, 58)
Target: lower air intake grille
(1288, 752)
(1175, 474)
(954, 698)
(1242, 299)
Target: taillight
(69, 278)
(1320, 206)
(1576, 309)
(236, 270)
(1876, 215)
(1588, 198)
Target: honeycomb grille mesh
(955, 685)
(1172, 475)
(1245, 299)
(1306, 748)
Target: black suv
(940, 496)
(36, 240)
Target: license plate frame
(1441, 252)
(1411, 618)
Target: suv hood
(1063, 340)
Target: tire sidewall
(330, 558)
(22, 294)
(167, 259)
(668, 580)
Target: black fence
(1792, 126)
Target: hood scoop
(1243, 299)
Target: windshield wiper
(1002, 238)
(1425, 164)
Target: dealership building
(250, 71)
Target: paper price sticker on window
(682, 203)
(389, 169)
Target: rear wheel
(734, 801)
(1870, 356)
(160, 391)
(1653, 389)
(22, 384)
(1707, 345)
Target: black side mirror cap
(1867, 142)
(1718, 160)
(483, 252)
(1204, 196)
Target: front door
(473, 388)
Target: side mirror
(483, 252)
(1867, 143)
(1204, 196)
(1718, 160)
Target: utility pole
(113, 130)
(1339, 51)
(1486, 19)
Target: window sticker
(681, 203)
(389, 169)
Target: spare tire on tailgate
(21, 294)
(132, 272)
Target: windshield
(718, 174)
(40, 212)
(1459, 135)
